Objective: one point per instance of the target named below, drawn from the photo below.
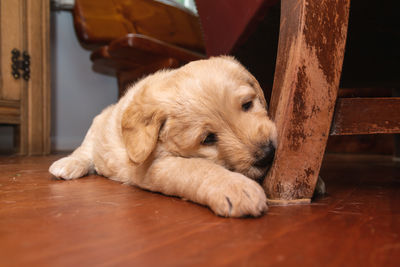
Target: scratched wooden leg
(310, 55)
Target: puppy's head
(212, 109)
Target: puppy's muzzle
(265, 156)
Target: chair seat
(100, 22)
(134, 56)
(136, 50)
(134, 38)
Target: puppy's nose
(266, 155)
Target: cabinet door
(24, 25)
(12, 28)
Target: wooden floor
(98, 222)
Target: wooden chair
(131, 39)
(304, 102)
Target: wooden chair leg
(310, 55)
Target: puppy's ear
(259, 92)
(253, 81)
(140, 129)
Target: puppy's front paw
(69, 168)
(239, 197)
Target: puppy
(200, 132)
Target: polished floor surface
(97, 222)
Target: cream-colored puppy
(200, 132)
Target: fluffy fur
(195, 132)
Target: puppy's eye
(247, 106)
(210, 139)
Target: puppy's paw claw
(240, 197)
(69, 168)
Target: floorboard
(97, 222)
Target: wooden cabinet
(25, 103)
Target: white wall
(78, 93)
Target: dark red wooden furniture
(131, 39)
(304, 102)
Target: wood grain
(136, 46)
(366, 116)
(11, 36)
(100, 22)
(10, 112)
(94, 221)
(26, 104)
(137, 51)
(309, 61)
(38, 91)
(134, 56)
(131, 39)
